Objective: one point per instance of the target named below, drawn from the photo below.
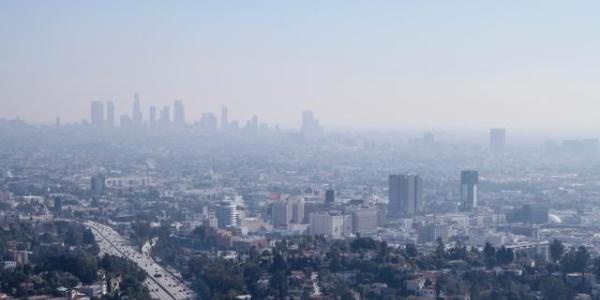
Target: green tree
(440, 250)
(411, 250)
(556, 250)
(553, 288)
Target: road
(162, 284)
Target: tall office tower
(178, 113)
(297, 211)
(405, 195)
(57, 205)
(497, 139)
(224, 118)
(308, 118)
(57, 122)
(125, 121)
(329, 196)
(310, 126)
(136, 114)
(97, 185)
(282, 214)
(254, 122)
(468, 189)
(152, 116)
(226, 214)
(110, 114)
(97, 114)
(208, 121)
(165, 117)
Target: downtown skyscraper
(136, 114)
(224, 118)
(405, 195)
(468, 190)
(110, 114)
(178, 113)
(97, 114)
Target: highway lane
(162, 284)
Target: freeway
(162, 284)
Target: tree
(279, 284)
(490, 255)
(553, 288)
(504, 256)
(596, 267)
(440, 250)
(576, 260)
(88, 237)
(582, 259)
(411, 250)
(556, 250)
(489, 250)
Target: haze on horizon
(359, 64)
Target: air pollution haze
(376, 65)
(299, 150)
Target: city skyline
(102, 114)
(196, 150)
(497, 66)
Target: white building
(282, 214)
(324, 223)
(226, 214)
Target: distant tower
(136, 114)
(57, 205)
(255, 122)
(165, 117)
(125, 121)
(178, 113)
(110, 114)
(224, 118)
(97, 185)
(208, 121)
(310, 126)
(497, 139)
(282, 214)
(226, 214)
(308, 118)
(405, 195)
(97, 114)
(329, 196)
(152, 116)
(57, 123)
(468, 190)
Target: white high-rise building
(324, 223)
(226, 214)
(365, 220)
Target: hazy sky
(386, 64)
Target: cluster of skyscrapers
(406, 193)
(102, 115)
